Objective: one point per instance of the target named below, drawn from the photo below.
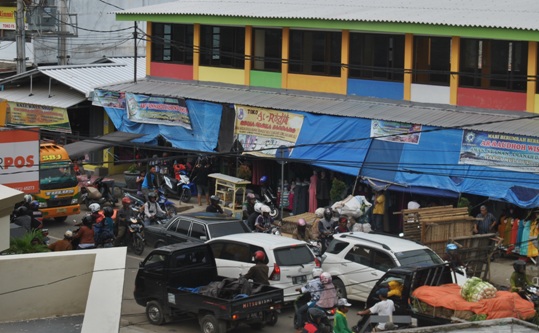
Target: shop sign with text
(157, 110)
(46, 117)
(19, 159)
(395, 132)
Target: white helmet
(317, 271)
(325, 278)
(68, 234)
(265, 209)
(94, 208)
(319, 212)
(258, 207)
(27, 198)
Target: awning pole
(361, 167)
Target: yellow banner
(263, 130)
(7, 18)
(46, 117)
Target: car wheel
(340, 288)
(154, 313)
(185, 195)
(210, 324)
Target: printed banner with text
(157, 110)
(261, 131)
(395, 132)
(504, 151)
(109, 99)
(44, 116)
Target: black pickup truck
(175, 280)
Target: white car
(290, 261)
(356, 260)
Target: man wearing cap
(340, 324)
(63, 244)
(383, 308)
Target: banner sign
(109, 99)
(263, 130)
(503, 151)
(157, 110)
(46, 117)
(19, 159)
(395, 132)
(7, 18)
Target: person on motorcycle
(96, 215)
(104, 230)
(385, 307)
(85, 235)
(27, 199)
(249, 205)
(264, 222)
(342, 225)
(451, 256)
(259, 272)
(251, 220)
(314, 288)
(519, 279)
(152, 210)
(316, 322)
(214, 206)
(340, 323)
(325, 228)
(150, 183)
(63, 244)
(22, 219)
(328, 295)
(35, 214)
(124, 215)
(302, 232)
(266, 194)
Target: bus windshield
(57, 175)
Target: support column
(196, 51)
(455, 69)
(149, 32)
(248, 54)
(345, 60)
(408, 65)
(531, 85)
(285, 54)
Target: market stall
(232, 191)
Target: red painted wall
(171, 71)
(491, 99)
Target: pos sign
(19, 159)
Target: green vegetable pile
(476, 289)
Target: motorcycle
(178, 188)
(136, 201)
(166, 205)
(271, 201)
(303, 299)
(135, 235)
(97, 192)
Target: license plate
(61, 210)
(299, 279)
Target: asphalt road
(133, 316)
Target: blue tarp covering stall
(205, 121)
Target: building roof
(506, 14)
(437, 115)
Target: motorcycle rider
(519, 279)
(85, 235)
(451, 256)
(259, 272)
(96, 215)
(302, 232)
(342, 225)
(325, 228)
(27, 199)
(316, 322)
(124, 215)
(314, 287)
(328, 295)
(249, 205)
(63, 244)
(251, 220)
(152, 210)
(104, 230)
(150, 183)
(214, 206)
(21, 218)
(264, 221)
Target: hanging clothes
(514, 233)
(524, 238)
(534, 232)
(313, 204)
(518, 242)
(507, 231)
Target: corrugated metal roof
(508, 122)
(61, 96)
(520, 14)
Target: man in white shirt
(383, 308)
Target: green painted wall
(265, 79)
(417, 29)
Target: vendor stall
(232, 191)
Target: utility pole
(20, 38)
(62, 45)
(136, 53)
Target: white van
(290, 261)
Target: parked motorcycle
(165, 204)
(180, 189)
(270, 200)
(97, 192)
(135, 235)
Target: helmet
(215, 199)
(263, 179)
(302, 223)
(260, 256)
(314, 314)
(94, 208)
(126, 201)
(519, 266)
(319, 212)
(325, 278)
(328, 213)
(317, 271)
(21, 211)
(87, 220)
(451, 247)
(68, 234)
(258, 207)
(108, 211)
(34, 204)
(250, 196)
(152, 195)
(27, 198)
(265, 209)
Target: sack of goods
(476, 289)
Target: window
(432, 60)
(222, 46)
(360, 255)
(173, 226)
(267, 48)
(172, 43)
(293, 255)
(425, 257)
(315, 52)
(155, 263)
(493, 64)
(382, 261)
(377, 56)
(336, 246)
(183, 227)
(198, 231)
